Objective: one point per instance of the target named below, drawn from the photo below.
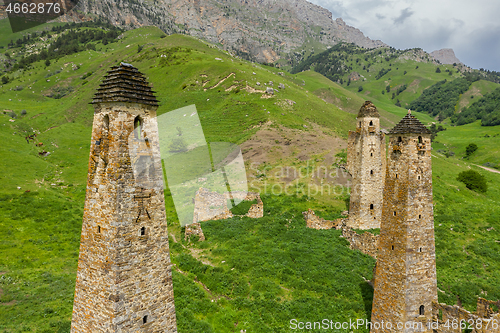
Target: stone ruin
(490, 319)
(315, 222)
(194, 229)
(214, 206)
(365, 242)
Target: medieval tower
(366, 162)
(405, 283)
(124, 278)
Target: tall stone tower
(124, 279)
(366, 163)
(405, 283)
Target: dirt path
(221, 81)
(488, 169)
(212, 296)
(173, 237)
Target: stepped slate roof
(368, 110)
(409, 124)
(124, 83)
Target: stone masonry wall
(316, 222)
(124, 279)
(449, 318)
(214, 206)
(365, 242)
(194, 229)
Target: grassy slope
(476, 91)
(487, 138)
(419, 76)
(39, 231)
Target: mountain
(262, 30)
(445, 56)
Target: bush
(473, 180)
(360, 88)
(23, 112)
(470, 149)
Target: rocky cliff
(445, 56)
(264, 30)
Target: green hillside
(477, 90)
(402, 78)
(250, 274)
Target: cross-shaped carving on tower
(140, 196)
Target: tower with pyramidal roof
(366, 163)
(124, 278)
(405, 283)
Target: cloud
(380, 16)
(480, 48)
(405, 13)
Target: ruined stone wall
(315, 222)
(405, 286)
(210, 206)
(366, 163)
(366, 242)
(124, 280)
(194, 229)
(449, 318)
(214, 206)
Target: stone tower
(124, 278)
(366, 163)
(405, 284)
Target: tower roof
(409, 124)
(368, 110)
(124, 83)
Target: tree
(178, 145)
(438, 70)
(470, 149)
(5, 79)
(139, 48)
(473, 180)
(360, 88)
(47, 63)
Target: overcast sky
(470, 28)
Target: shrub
(360, 88)
(470, 149)
(23, 112)
(473, 180)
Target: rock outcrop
(445, 56)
